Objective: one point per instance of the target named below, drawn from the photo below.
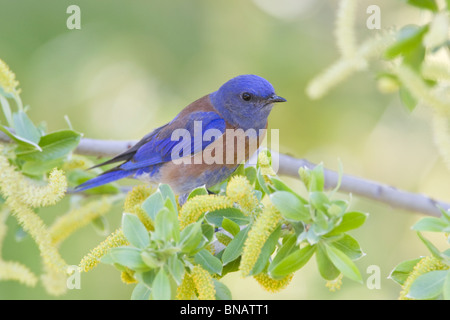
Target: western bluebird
(204, 150)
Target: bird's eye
(246, 96)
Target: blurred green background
(134, 65)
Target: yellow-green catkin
(75, 219)
(425, 265)
(133, 204)
(240, 191)
(7, 78)
(335, 284)
(345, 31)
(264, 225)
(194, 208)
(14, 184)
(127, 276)
(11, 270)
(55, 283)
(41, 196)
(265, 165)
(273, 285)
(36, 228)
(21, 194)
(204, 283)
(92, 259)
(186, 290)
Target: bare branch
(289, 166)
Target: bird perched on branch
(204, 143)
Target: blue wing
(171, 138)
(183, 134)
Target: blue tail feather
(104, 178)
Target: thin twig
(289, 166)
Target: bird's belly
(217, 162)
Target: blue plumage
(243, 102)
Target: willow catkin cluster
(196, 207)
(240, 191)
(264, 225)
(11, 270)
(21, 195)
(133, 204)
(75, 219)
(345, 29)
(127, 276)
(204, 283)
(264, 164)
(273, 285)
(7, 78)
(186, 290)
(92, 259)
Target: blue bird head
(246, 101)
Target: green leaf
(208, 261)
(222, 291)
(150, 259)
(261, 183)
(128, 257)
(250, 173)
(431, 224)
(161, 286)
(434, 251)
(408, 39)
(146, 277)
(428, 285)
(281, 186)
(166, 226)
(135, 231)
(326, 268)
(290, 206)
(424, 4)
(407, 99)
(26, 144)
(153, 204)
(266, 251)
(349, 246)
(216, 217)
(350, 221)
(292, 262)
(24, 127)
(207, 231)
(167, 193)
(402, 270)
(190, 237)
(317, 182)
(230, 226)
(140, 292)
(234, 248)
(446, 287)
(38, 168)
(286, 248)
(176, 269)
(6, 110)
(319, 200)
(54, 145)
(343, 263)
(197, 192)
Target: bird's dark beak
(276, 98)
